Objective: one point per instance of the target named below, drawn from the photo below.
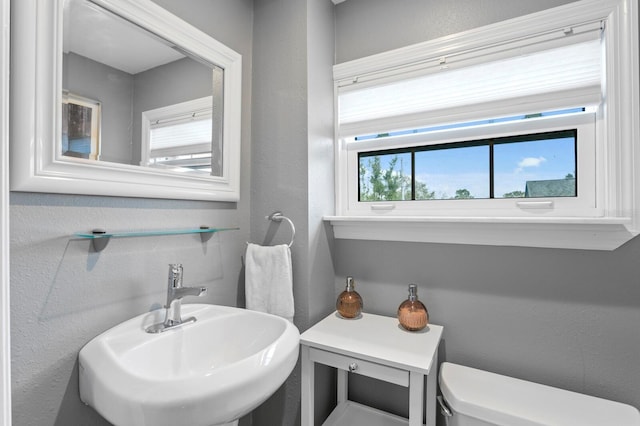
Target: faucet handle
(175, 275)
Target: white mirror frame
(36, 161)
(5, 330)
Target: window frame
(203, 107)
(584, 205)
(616, 217)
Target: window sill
(566, 233)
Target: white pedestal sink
(209, 372)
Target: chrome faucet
(175, 293)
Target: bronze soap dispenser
(349, 303)
(412, 313)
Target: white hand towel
(268, 280)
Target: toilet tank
(480, 398)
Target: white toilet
(478, 398)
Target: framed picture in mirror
(80, 126)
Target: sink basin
(209, 372)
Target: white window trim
(5, 330)
(168, 112)
(620, 219)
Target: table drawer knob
(353, 367)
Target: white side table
(374, 346)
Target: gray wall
(292, 159)
(366, 27)
(114, 90)
(178, 81)
(566, 318)
(62, 295)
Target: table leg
(308, 384)
(430, 397)
(343, 385)
(416, 399)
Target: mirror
(130, 98)
(139, 102)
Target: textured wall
(292, 159)
(62, 295)
(366, 27)
(566, 318)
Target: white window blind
(567, 74)
(181, 133)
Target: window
(528, 166)
(182, 143)
(179, 136)
(523, 122)
(484, 170)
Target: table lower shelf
(351, 413)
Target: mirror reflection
(131, 98)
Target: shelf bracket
(100, 240)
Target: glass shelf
(98, 233)
(100, 237)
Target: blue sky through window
(546, 159)
(446, 170)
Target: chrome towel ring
(279, 217)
